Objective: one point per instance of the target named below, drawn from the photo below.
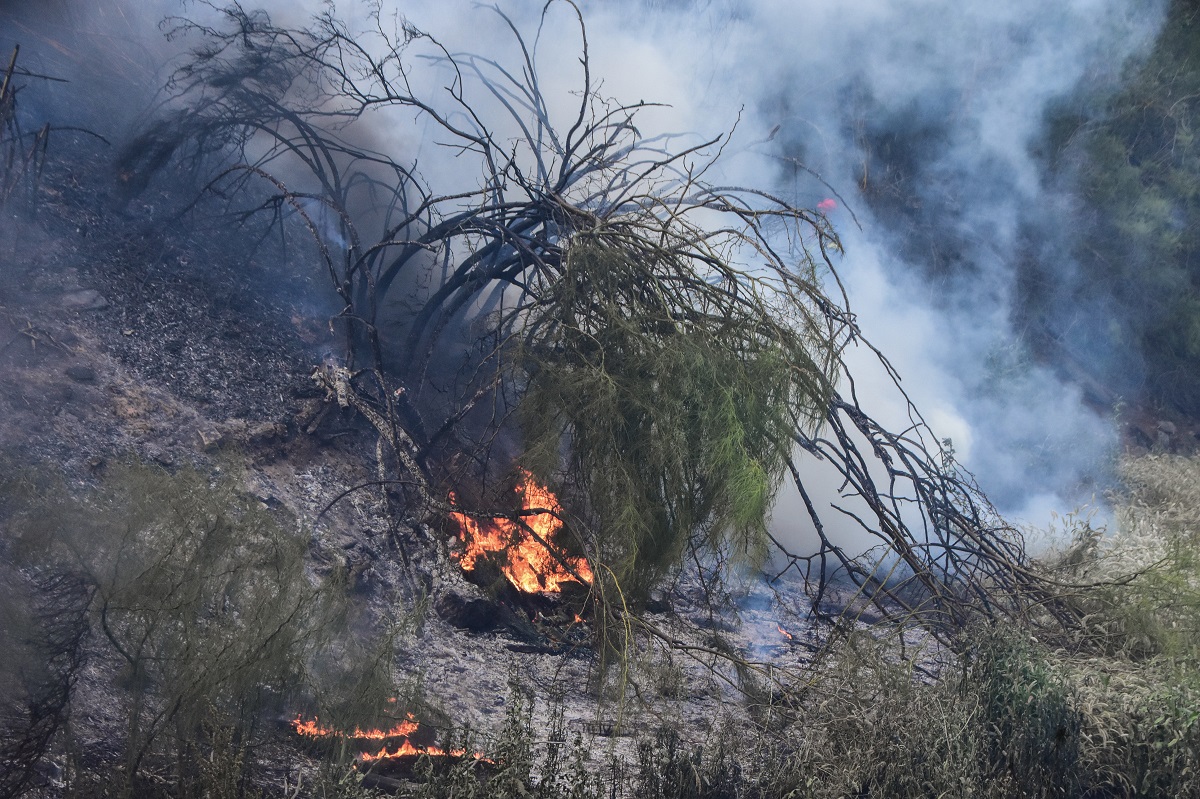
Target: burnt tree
(663, 350)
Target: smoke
(919, 116)
(924, 116)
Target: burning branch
(522, 543)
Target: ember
(785, 633)
(525, 561)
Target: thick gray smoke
(919, 116)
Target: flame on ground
(786, 634)
(312, 728)
(526, 563)
(406, 749)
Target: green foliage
(200, 599)
(1138, 161)
(337, 781)
(1030, 725)
(1155, 615)
(669, 768)
(1008, 716)
(676, 398)
(522, 763)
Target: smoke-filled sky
(921, 116)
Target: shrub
(200, 600)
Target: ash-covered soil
(126, 331)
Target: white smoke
(968, 86)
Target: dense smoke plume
(916, 118)
(924, 118)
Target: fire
(406, 749)
(785, 633)
(525, 561)
(401, 730)
(312, 728)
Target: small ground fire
(312, 728)
(524, 560)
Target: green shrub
(200, 601)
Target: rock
(150, 452)
(265, 431)
(84, 300)
(210, 439)
(81, 374)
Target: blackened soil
(152, 328)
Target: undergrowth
(1115, 712)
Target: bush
(42, 627)
(200, 602)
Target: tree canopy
(1130, 158)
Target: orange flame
(786, 634)
(408, 750)
(313, 728)
(525, 561)
(403, 729)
